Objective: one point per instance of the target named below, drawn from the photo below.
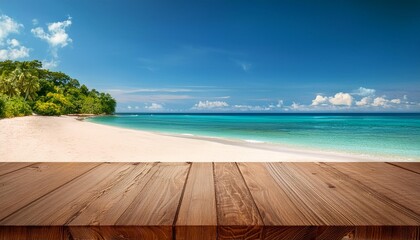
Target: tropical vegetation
(26, 88)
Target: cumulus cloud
(386, 103)
(364, 101)
(319, 100)
(154, 106)
(50, 64)
(251, 108)
(8, 26)
(56, 37)
(396, 101)
(365, 92)
(13, 51)
(341, 99)
(210, 105)
(10, 48)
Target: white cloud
(365, 92)
(7, 27)
(155, 106)
(10, 48)
(296, 106)
(210, 105)
(396, 101)
(341, 99)
(383, 102)
(280, 104)
(13, 50)
(319, 100)
(251, 108)
(364, 101)
(50, 64)
(35, 22)
(13, 42)
(379, 102)
(56, 37)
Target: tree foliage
(46, 92)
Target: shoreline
(59, 139)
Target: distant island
(26, 88)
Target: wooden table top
(210, 201)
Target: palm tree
(8, 83)
(29, 84)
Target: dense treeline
(26, 87)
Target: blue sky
(258, 56)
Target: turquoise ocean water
(392, 135)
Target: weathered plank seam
(276, 177)
(215, 201)
(51, 191)
(96, 196)
(129, 205)
(252, 197)
(180, 202)
(398, 166)
(378, 195)
(19, 169)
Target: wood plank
(347, 197)
(412, 166)
(276, 206)
(398, 184)
(158, 201)
(237, 215)
(32, 233)
(301, 190)
(64, 204)
(7, 167)
(290, 233)
(119, 232)
(109, 206)
(387, 233)
(30, 183)
(197, 218)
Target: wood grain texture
(290, 233)
(387, 233)
(294, 201)
(347, 197)
(276, 206)
(6, 168)
(106, 208)
(197, 218)
(237, 215)
(157, 203)
(62, 206)
(32, 233)
(34, 181)
(119, 233)
(411, 166)
(389, 184)
(196, 232)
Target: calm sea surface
(396, 135)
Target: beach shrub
(47, 108)
(2, 105)
(47, 92)
(92, 105)
(14, 107)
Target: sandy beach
(59, 139)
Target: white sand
(58, 139)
